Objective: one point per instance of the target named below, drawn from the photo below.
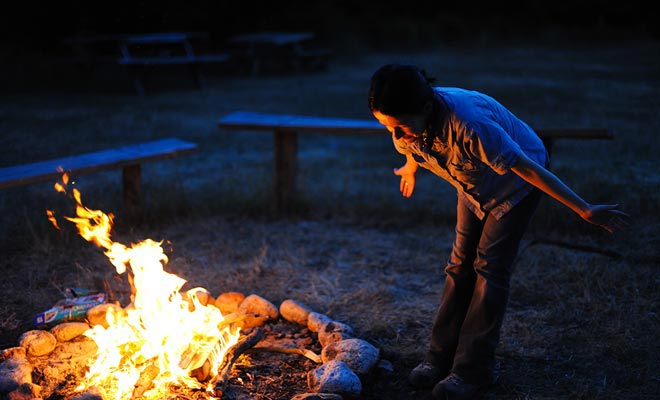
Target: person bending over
(498, 165)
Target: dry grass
(580, 325)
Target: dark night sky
(38, 24)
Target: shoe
(425, 375)
(455, 388)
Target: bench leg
(286, 168)
(132, 191)
(255, 63)
(138, 74)
(200, 82)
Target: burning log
(202, 373)
(199, 361)
(145, 381)
(244, 344)
(193, 358)
(233, 318)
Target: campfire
(170, 343)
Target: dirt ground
(582, 321)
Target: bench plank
(174, 60)
(264, 121)
(274, 38)
(299, 123)
(119, 157)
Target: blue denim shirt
(474, 147)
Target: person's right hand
(407, 174)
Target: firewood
(249, 341)
(230, 319)
(202, 373)
(145, 381)
(287, 350)
(193, 358)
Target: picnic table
(295, 51)
(141, 52)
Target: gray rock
(92, 393)
(334, 331)
(26, 391)
(385, 367)
(97, 315)
(255, 304)
(358, 354)
(228, 302)
(69, 330)
(38, 342)
(295, 311)
(202, 295)
(315, 321)
(334, 377)
(11, 352)
(14, 372)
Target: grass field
(581, 324)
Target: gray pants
(467, 326)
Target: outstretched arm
(605, 216)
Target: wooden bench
(286, 127)
(128, 158)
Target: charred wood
(246, 343)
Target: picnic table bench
(285, 128)
(140, 52)
(128, 158)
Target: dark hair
(399, 89)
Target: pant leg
(459, 285)
(496, 254)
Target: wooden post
(286, 167)
(196, 73)
(138, 80)
(132, 191)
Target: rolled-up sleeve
(493, 146)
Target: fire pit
(169, 343)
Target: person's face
(406, 127)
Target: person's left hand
(608, 217)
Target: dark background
(40, 26)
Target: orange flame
(51, 217)
(60, 187)
(162, 334)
